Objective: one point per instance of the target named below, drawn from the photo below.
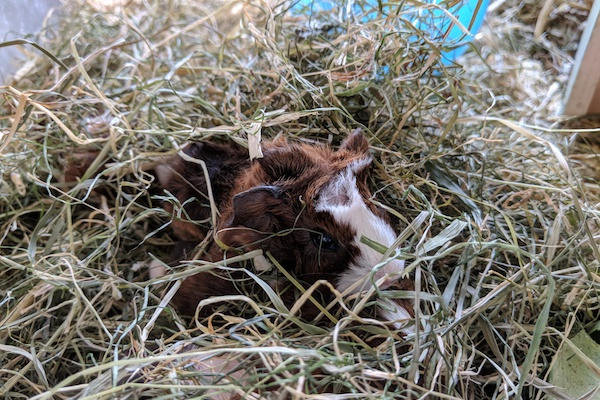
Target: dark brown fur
(77, 164)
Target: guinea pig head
(309, 206)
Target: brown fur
(268, 204)
(77, 163)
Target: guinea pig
(308, 205)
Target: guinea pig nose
(391, 272)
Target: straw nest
(499, 226)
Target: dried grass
(499, 228)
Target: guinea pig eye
(324, 241)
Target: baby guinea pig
(308, 205)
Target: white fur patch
(398, 315)
(343, 201)
(156, 269)
(164, 173)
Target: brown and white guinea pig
(308, 205)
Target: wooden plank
(595, 104)
(583, 90)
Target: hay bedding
(499, 229)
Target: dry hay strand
(499, 232)
(584, 150)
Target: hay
(499, 229)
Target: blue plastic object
(434, 20)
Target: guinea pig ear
(361, 165)
(356, 142)
(256, 207)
